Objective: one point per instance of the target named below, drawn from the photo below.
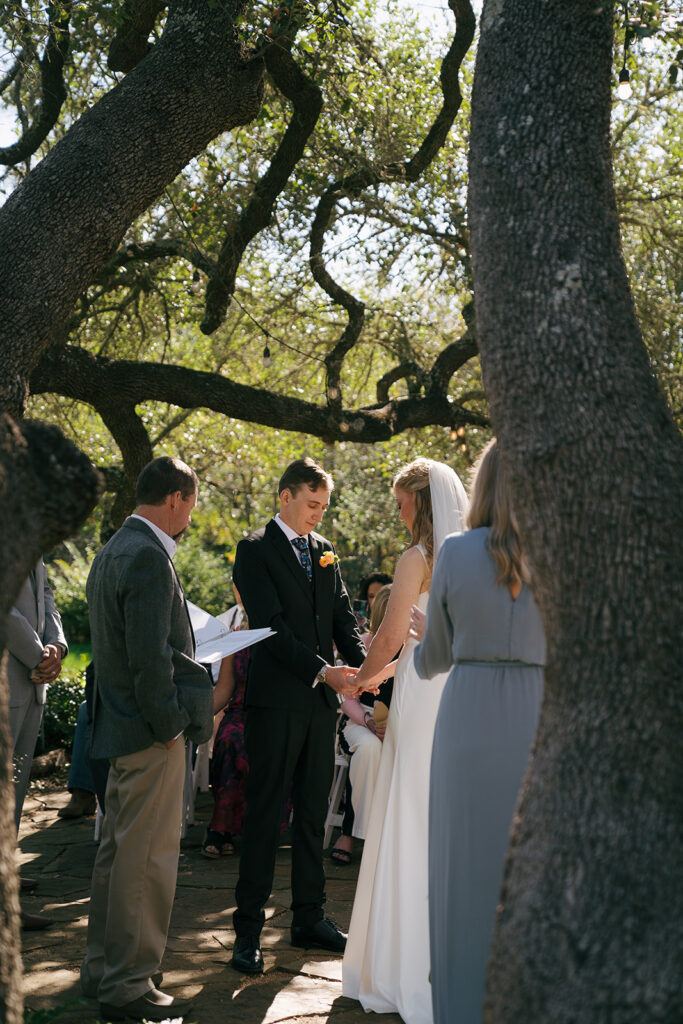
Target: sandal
(340, 856)
(217, 844)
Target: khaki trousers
(134, 877)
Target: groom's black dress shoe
(247, 956)
(324, 934)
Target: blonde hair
(490, 506)
(379, 606)
(414, 479)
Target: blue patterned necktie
(301, 544)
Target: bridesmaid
(482, 621)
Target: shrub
(68, 578)
(64, 697)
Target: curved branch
(160, 249)
(130, 434)
(402, 372)
(130, 44)
(77, 374)
(454, 355)
(306, 99)
(52, 88)
(23, 58)
(407, 171)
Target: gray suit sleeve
(147, 596)
(54, 633)
(435, 653)
(22, 640)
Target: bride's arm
(391, 635)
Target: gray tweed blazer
(148, 687)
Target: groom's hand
(340, 678)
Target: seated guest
(369, 588)
(229, 766)
(361, 734)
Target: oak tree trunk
(47, 487)
(590, 927)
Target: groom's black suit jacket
(306, 619)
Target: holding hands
(340, 678)
(49, 666)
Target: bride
(386, 964)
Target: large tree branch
(52, 88)
(111, 164)
(454, 355)
(354, 184)
(76, 374)
(130, 434)
(306, 99)
(130, 44)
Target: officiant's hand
(340, 678)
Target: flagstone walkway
(294, 988)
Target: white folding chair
(196, 777)
(334, 819)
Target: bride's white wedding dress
(386, 964)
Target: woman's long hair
(414, 479)
(379, 606)
(490, 506)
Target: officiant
(149, 696)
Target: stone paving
(294, 988)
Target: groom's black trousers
(285, 747)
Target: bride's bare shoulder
(412, 562)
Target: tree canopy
(310, 271)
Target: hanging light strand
(267, 355)
(624, 90)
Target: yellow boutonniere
(329, 558)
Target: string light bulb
(453, 434)
(196, 282)
(267, 360)
(624, 90)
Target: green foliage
(68, 575)
(205, 573)
(64, 697)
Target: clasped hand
(49, 666)
(340, 678)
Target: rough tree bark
(47, 487)
(590, 927)
(109, 167)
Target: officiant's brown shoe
(153, 1005)
(324, 934)
(89, 986)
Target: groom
(289, 580)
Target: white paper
(215, 641)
